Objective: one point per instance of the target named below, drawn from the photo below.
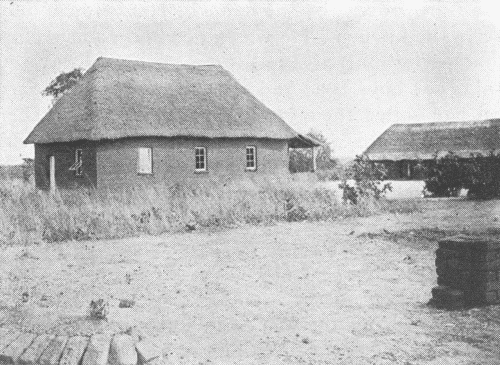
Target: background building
(403, 147)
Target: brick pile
(468, 270)
(24, 348)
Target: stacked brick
(468, 270)
(23, 348)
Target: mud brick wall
(468, 270)
(64, 154)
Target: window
(251, 158)
(200, 155)
(77, 166)
(145, 165)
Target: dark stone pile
(468, 271)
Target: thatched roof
(422, 141)
(123, 98)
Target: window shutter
(145, 165)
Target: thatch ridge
(125, 98)
(424, 140)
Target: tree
(62, 83)
(368, 178)
(301, 158)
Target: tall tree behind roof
(63, 82)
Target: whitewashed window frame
(253, 158)
(203, 156)
(78, 162)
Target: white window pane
(200, 158)
(250, 158)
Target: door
(52, 173)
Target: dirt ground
(352, 291)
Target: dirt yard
(346, 292)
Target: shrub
(479, 174)
(484, 179)
(368, 177)
(445, 177)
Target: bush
(479, 174)
(484, 180)
(368, 177)
(445, 177)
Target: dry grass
(28, 215)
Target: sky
(347, 69)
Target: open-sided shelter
(402, 147)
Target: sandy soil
(343, 292)
(401, 189)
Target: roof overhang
(304, 141)
(399, 156)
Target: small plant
(126, 303)
(368, 177)
(99, 309)
(293, 211)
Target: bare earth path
(302, 293)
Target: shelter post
(314, 155)
(52, 174)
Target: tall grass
(28, 215)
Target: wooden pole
(52, 175)
(314, 155)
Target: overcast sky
(349, 71)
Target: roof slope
(423, 140)
(121, 98)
